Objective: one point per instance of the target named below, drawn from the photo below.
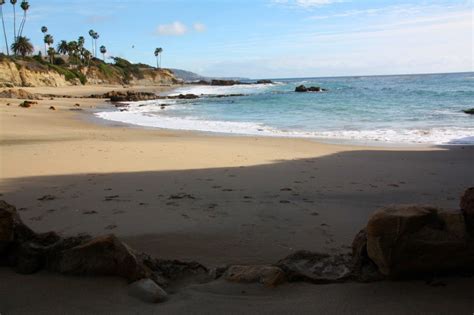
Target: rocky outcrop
(316, 267)
(25, 74)
(404, 241)
(19, 94)
(127, 96)
(303, 89)
(264, 82)
(104, 255)
(270, 276)
(469, 111)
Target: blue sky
(270, 38)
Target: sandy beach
(214, 199)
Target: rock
(226, 95)
(264, 82)
(128, 96)
(147, 291)
(8, 219)
(316, 267)
(26, 258)
(467, 207)
(224, 82)
(414, 240)
(19, 94)
(469, 111)
(363, 268)
(28, 104)
(104, 255)
(165, 271)
(301, 89)
(270, 276)
(52, 108)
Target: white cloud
(174, 29)
(199, 27)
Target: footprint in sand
(286, 189)
(111, 227)
(314, 214)
(111, 198)
(47, 198)
(227, 190)
(39, 218)
(89, 212)
(284, 201)
(181, 196)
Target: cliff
(34, 72)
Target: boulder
(301, 89)
(270, 276)
(264, 82)
(467, 207)
(147, 291)
(363, 268)
(316, 267)
(469, 111)
(8, 219)
(128, 96)
(413, 240)
(104, 255)
(28, 104)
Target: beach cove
(214, 199)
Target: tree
(22, 46)
(13, 2)
(2, 2)
(44, 29)
(96, 37)
(91, 34)
(48, 41)
(63, 47)
(158, 52)
(103, 51)
(24, 6)
(51, 53)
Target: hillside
(36, 72)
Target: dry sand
(217, 200)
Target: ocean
(402, 109)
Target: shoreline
(218, 200)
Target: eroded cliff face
(21, 73)
(16, 74)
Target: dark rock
(264, 82)
(28, 104)
(52, 108)
(469, 111)
(128, 96)
(467, 207)
(225, 82)
(414, 240)
(301, 89)
(165, 271)
(104, 255)
(26, 258)
(147, 291)
(8, 219)
(363, 268)
(316, 267)
(226, 95)
(270, 276)
(19, 94)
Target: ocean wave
(223, 90)
(451, 135)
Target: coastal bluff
(34, 72)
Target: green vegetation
(70, 74)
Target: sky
(269, 38)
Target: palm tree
(51, 53)
(81, 41)
(24, 6)
(62, 47)
(44, 29)
(13, 2)
(91, 34)
(103, 51)
(86, 56)
(48, 41)
(22, 46)
(2, 2)
(96, 37)
(158, 52)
